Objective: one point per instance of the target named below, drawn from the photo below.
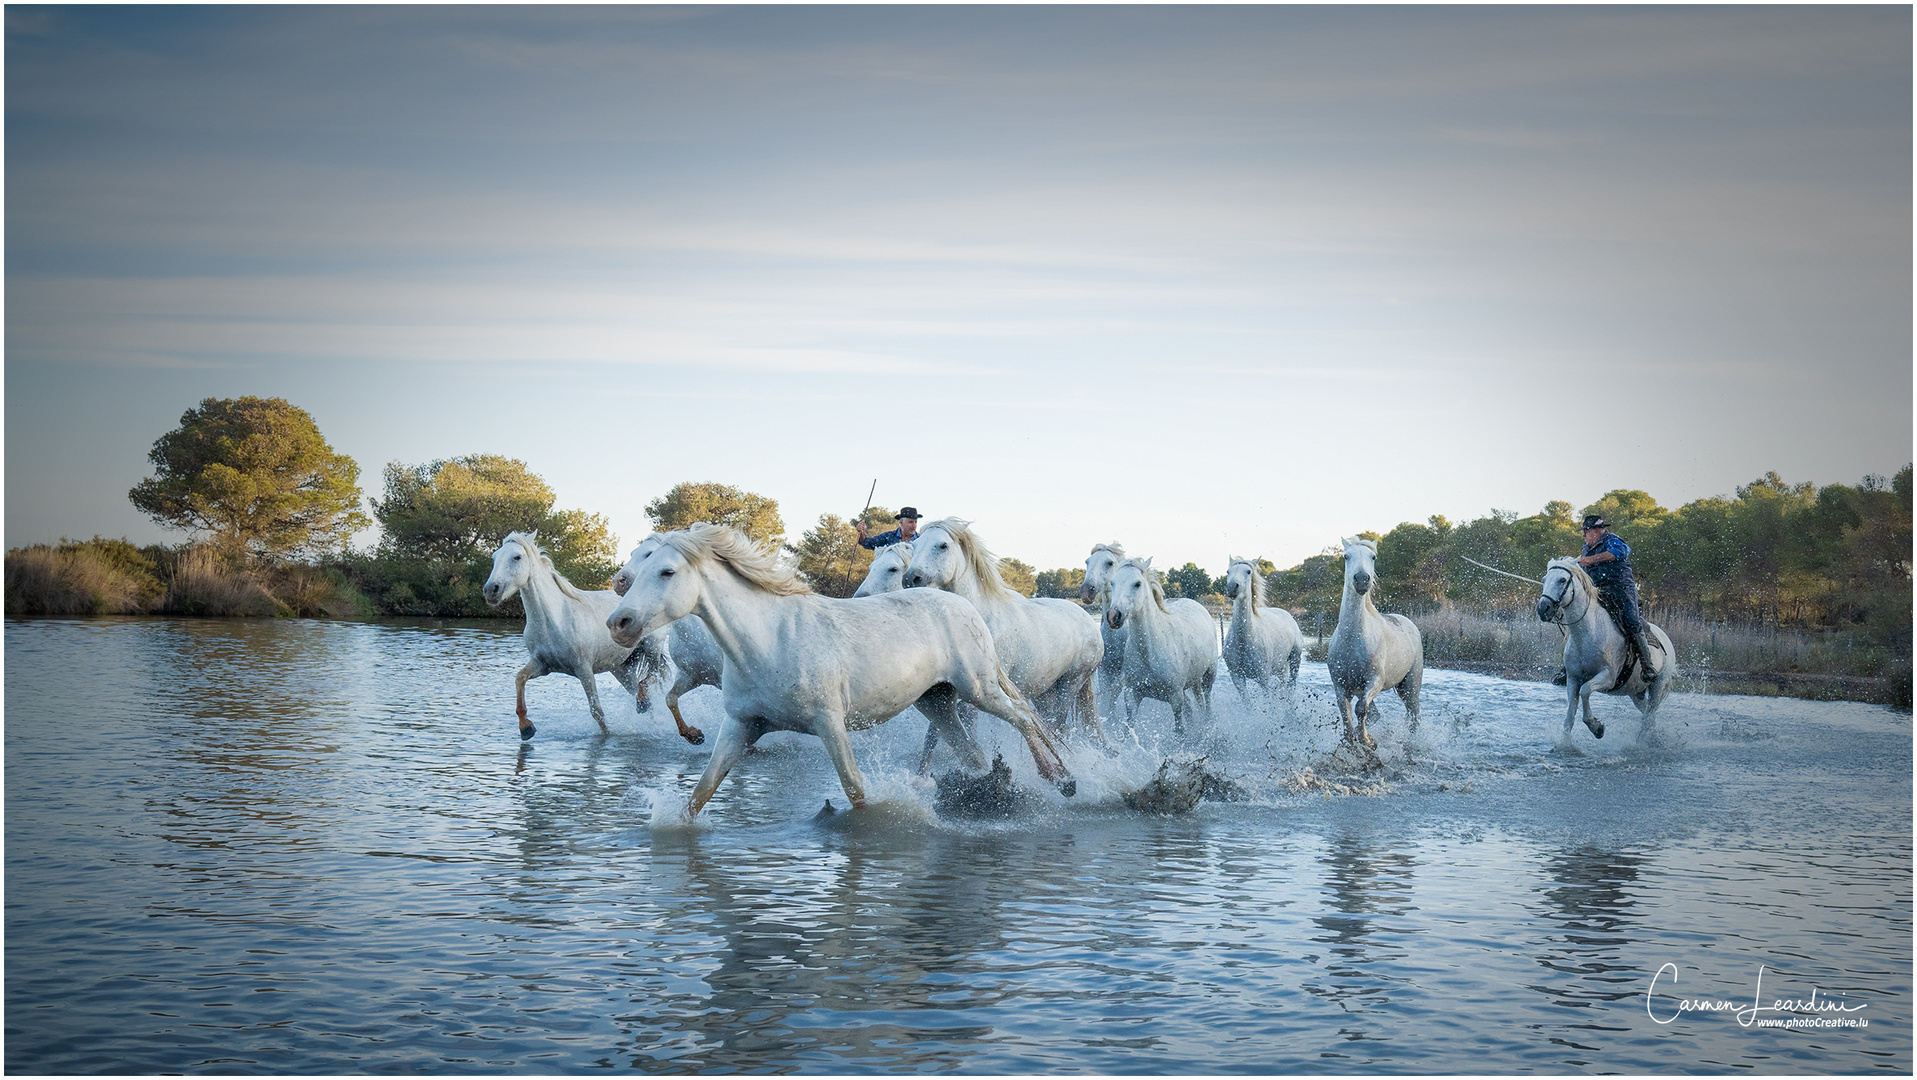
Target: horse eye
(942, 547)
(667, 572)
(515, 558)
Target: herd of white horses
(935, 626)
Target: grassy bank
(1713, 657)
(113, 577)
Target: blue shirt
(884, 539)
(1620, 565)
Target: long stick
(1495, 570)
(868, 498)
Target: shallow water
(315, 847)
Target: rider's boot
(1652, 659)
(1560, 678)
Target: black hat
(909, 512)
(1595, 521)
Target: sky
(1206, 281)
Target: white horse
(796, 661)
(1594, 649)
(1049, 647)
(1369, 651)
(1096, 590)
(695, 656)
(887, 572)
(565, 628)
(1263, 644)
(1171, 649)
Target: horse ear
(1148, 562)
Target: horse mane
(1115, 549)
(1257, 582)
(979, 558)
(527, 541)
(1151, 578)
(1579, 576)
(702, 540)
(1362, 542)
(903, 547)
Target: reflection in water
(1365, 880)
(1593, 909)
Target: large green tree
(256, 478)
(830, 556)
(456, 510)
(721, 504)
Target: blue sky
(1201, 280)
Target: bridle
(1560, 603)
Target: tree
(721, 504)
(256, 475)
(1062, 583)
(1019, 576)
(456, 510)
(1189, 580)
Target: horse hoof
(1068, 787)
(527, 732)
(694, 736)
(1597, 729)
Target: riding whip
(868, 500)
(1495, 570)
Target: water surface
(298, 846)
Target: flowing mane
(702, 540)
(531, 546)
(1579, 576)
(1363, 543)
(1257, 582)
(1151, 578)
(1115, 549)
(983, 564)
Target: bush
(92, 577)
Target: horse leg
(1365, 702)
(686, 731)
(1590, 719)
(1088, 712)
(1177, 702)
(1345, 714)
(592, 699)
(1571, 688)
(832, 731)
(940, 706)
(998, 697)
(1408, 691)
(734, 735)
(530, 671)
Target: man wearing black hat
(1607, 558)
(908, 520)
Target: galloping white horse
(1369, 651)
(796, 661)
(565, 628)
(1050, 648)
(695, 656)
(1096, 590)
(1263, 644)
(1594, 649)
(1171, 649)
(887, 573)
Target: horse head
(1242, 576)
(1562, 579)
(1133, 586)
(887, 573)
(1098, 570)
(1361, 565)
(622, 580)
(513, 565)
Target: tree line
(270, 506)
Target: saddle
(1633, 656)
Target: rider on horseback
(1607, 558)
